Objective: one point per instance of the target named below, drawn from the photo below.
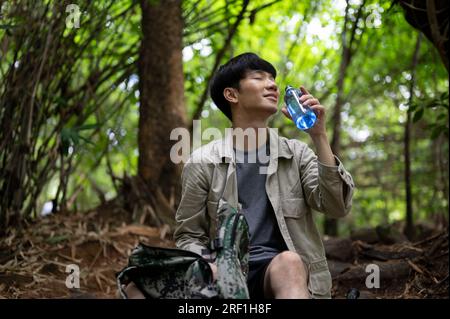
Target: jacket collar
(278, 146)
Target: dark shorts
(255, 280)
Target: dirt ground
(33, 262)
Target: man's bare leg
(286, 277)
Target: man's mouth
(272, 97)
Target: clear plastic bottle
(304, 118)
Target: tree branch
(219, 56)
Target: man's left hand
(310, 101)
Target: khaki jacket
(296, 184)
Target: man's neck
(249, 135)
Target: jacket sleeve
(328, 189)
(191, 232)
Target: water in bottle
(304, 118)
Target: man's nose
(272, 85)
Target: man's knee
(290, 260)
(286, 276)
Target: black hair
(229, 75)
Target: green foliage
(71, 136)
(303, 39)
(435, 107)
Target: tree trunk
(409, 228)
(161, 94)
(407, 172)
(431, 18)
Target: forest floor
(33, 262)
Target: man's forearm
(323, 149)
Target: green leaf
(86, 140)
(412, 107)
(432, 103)
(66, 141)
(437, 131)
(61, 101)
(57, 239)
(418, 115)
(6, 26)
(441, 116)
(74, 137)
(87, 127)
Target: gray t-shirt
(266, 240)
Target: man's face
(258, 92)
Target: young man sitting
(274, 181)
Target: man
(274, 181)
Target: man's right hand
(214, 270)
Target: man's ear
(231, 95)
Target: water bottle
(304, 118)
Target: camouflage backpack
(167, 273)
(231, 246)
(175, 273)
